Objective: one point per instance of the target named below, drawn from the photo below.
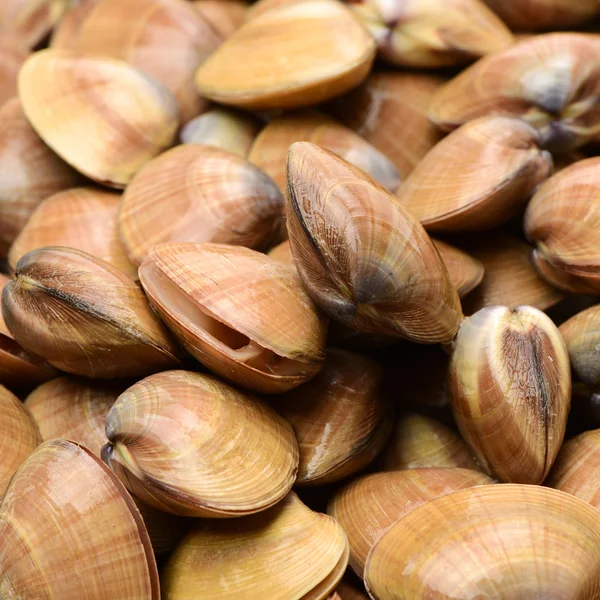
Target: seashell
(222, 127)
(283, 253)
(346, 591)
(224, 16)
(510, 278)
(562, 220)
(389, 110)
(262, 6)
(101, 115)
(367, 506)
(165, 39)
(81, 218)
(544, 14)
(66, 32)
(418, 441)
(363, 258)
(68, 529)
(548, 81)
(341, 418)
(84, 316)
(465, 272)
(478, 177)
(195, 193)
(324, 53)
(19, 370)
(19, 437)
(534, 543)
(272, 143)
(581, 334)
(216, 300)
(432, 33)
(243, 458)
(29, 172)
(510, 391)
(12, 57)
(220, 560)
(74, 409)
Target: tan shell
(548, 80)
(533, 542)
(341, 418)
(510, 391)
(563, 221)
(67, 29)
(357, 249)
(324, 53)
(12, 57)
(418, 441)
(101, 115)
(29, 172)
(369, 505)
(81, 218)
(433, 33)
(272, 143)
(224, 16)
(84, 316)
(478, 177)
(189, 444)
(287, 552)
(19, 437)
(222, 127)
(68, 529)
(166, 39)
(465, 272)
(196, 193)
(283, 253)
(389, 110)
(242, 314)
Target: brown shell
(196, 193)
(478, 177)
(191, 445)
(29, 172)
(510, 391)
(346, 591)
(362, 257)
(325, 52)
(369, 505)
(242, 314)
(12, 57)
(81, 218)
(283, 253)
(69, 529)
(224, 16)
(465, 272)
(101, 115)
(84, 316)
(287, 551)
(272, 143)
(501, 541)
(341, 418)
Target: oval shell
(465, 272)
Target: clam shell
(12, 57)
(346, 591)
(242, 314)
(285, 553)
(19, 437)
(188, 444)
(510, 389)
(341, 418)
(465, 272)
(101, 115)
(272, 143)
(283, 253)
(418, 441)
(362, 257)
(81, 218)
(196, 193)
(369, 505)
(29, 172)
(478, 177)
(68, 529)
(224, 16)
(531, 542)
(324, 53)
(84, 316)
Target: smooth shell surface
(12, 57)
(303, 53)
(465, 272)
(197, 193)
(101, 115)
(224, 16)
(532, 543)
(188, 444)
(369, 505)
(306, 553)
(68, 529)
(362, 257)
